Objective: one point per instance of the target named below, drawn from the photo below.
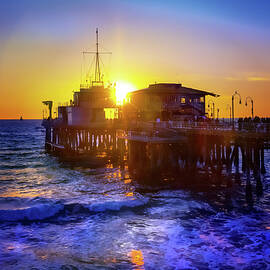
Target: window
(183, 100)
(111, 113)
(202, 99)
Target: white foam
(18, 209)
(29, 209)
(117, 205)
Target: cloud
(248, 78)
(253, 79)
(233, 79)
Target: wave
(11, 149)
(38, 209)
(16, 209)
(117, 205)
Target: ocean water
(55, 215)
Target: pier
(186, 152)
(161, 132)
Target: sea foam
(15, 209)
(25, 209)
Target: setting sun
(121, 90)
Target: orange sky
(41, 47)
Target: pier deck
(150, 147)
(152, 151)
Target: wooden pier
(155, 151)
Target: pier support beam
(262, 159)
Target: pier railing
(174, 129)
(245, 127)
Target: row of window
(184, 100)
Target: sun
(121, 90)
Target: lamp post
(235, 94)
(217, 113)
(230, 108)
(252, 103)
(213, 106)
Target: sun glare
(121, 90)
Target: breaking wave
(38, 209)
(15, 209)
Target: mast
(97, 69)
(98, 77)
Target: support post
(262, 159)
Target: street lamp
(251, 100)
(217, 113)
(213, 106)
(230, 108)
(235, 94)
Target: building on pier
(93, 103)
(166, 101)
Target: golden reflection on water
(117, 174)
(129, 194)
(101, 155)
(109, 166)
(27, 170)
(137, 258)
(41, 254)
(31, 193)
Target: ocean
(57, 215)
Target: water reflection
(30, 193)
(127, 181)
(137, 258)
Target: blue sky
(213, 45)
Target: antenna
(97, 70)
(98, 76)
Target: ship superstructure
(93, 103)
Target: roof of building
(172, 88)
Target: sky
(213, 45)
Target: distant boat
(21, 118)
